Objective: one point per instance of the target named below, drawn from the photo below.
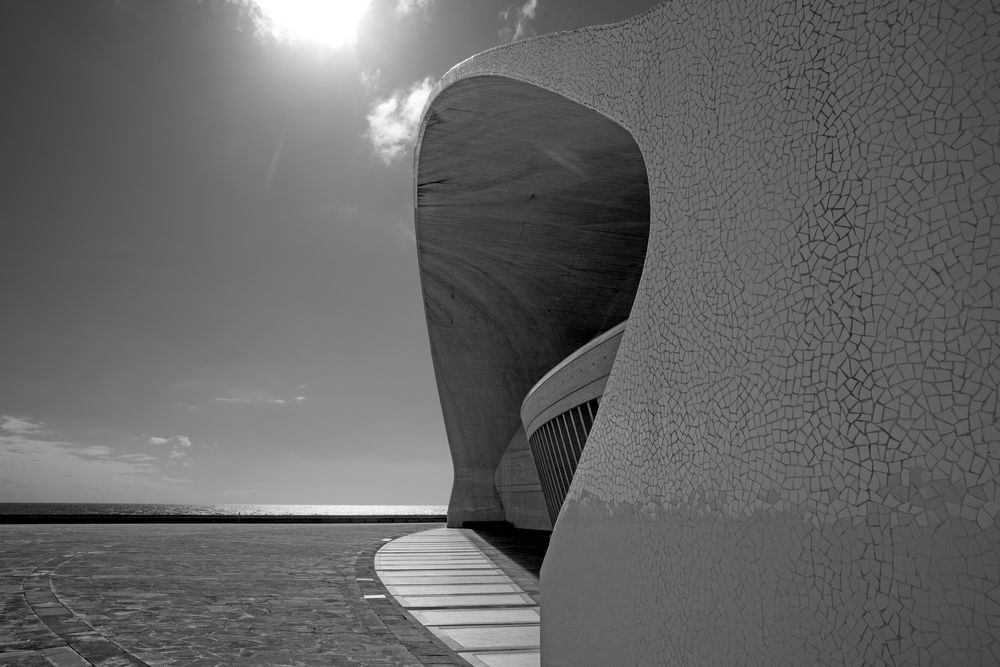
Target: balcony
(559, 412)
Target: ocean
(20, 512)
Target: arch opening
(532, 221)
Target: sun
(331, 23)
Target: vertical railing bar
(535, 444)
(553, 496)
(581, 436)
(556, 467)
(551, 468)
(564, 440)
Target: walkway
(201, 594)
(445, 581)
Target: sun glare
(331, 23)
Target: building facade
(792, 442)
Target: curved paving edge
(83, 644)
(424, 646)
(443, 580)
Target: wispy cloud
(176, 480)
(230, 399)
(180, 457)
(260, 398)
(272, 166)
(95, 451)
(392, 121)
(20, 425)
(406, 8)
(516, 21)
(178, 445)
(142, 458)
(370, 80)
(37, 466)
(182, 440)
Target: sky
(208, 280)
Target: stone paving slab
(486, 600)
(452, 589)
(504, 659)
(438, 566)
(476, 638)
(410, 579)
(444, 573)
(199, 594)
(434, 558)
(441, 617)
(430, 564)
(480, 621)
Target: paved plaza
(197, 594)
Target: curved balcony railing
(560, 409)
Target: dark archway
(532, 220)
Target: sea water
(227, 509)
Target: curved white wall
(558, 413)
(576, 379)
(796, 456)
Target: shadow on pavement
(519, 553)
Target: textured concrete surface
(796, 456)
(223, 594)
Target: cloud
(272, 166)
(37, 467)
(20, 425)
(182, 440)
(370, 80)
(176, 480)
(95, 451)
(405, 8)
(248, 398)
(137, 457)
(180, 457)
(516, 20)
(178, 445)
(392, 121)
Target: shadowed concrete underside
(532, 218)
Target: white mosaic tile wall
(797, 454)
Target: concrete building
(792, 440)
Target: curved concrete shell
(532, 220)
(796, 455)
